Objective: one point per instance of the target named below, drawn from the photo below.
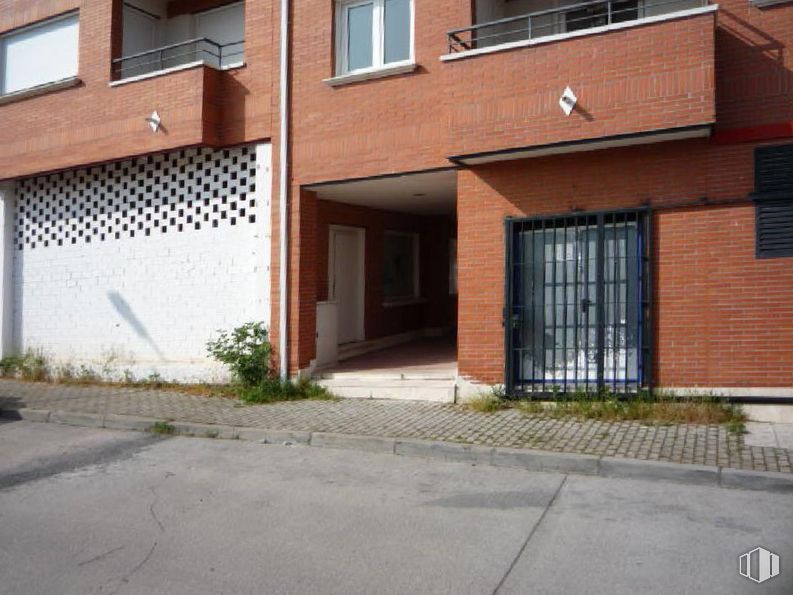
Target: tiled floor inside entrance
(429, 357)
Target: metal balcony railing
(178, 54)
(564, 19)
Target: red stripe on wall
(753, 133)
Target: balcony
(160, 37)
(641, 71)
(554, 20)
(192, 52)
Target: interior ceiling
(428, 193)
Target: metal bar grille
(178, 54)
(577, 303)
(563, 19)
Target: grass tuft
(271, 390)
(485, 403)
(32, 366)
(163, 428)
(645, 408)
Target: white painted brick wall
(146, 304)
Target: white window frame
(378, 37)
(72, 14)
(415, 240)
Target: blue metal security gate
(577, 303)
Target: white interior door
(224, 26)
(346, 282)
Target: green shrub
(246, 351)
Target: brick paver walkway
(708, 445)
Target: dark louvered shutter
(773, 197)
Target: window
(773, 198)
(400, 265)
(374, 34)
(43, 53)
(599, 15)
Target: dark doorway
(576, 303)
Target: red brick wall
(722, 317)
(753, 64)
(391, 124)
(626, 81)
(94, 122)
(16, 13)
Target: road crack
(151, 509)
(100, 556)
(529, 537)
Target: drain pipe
(283, 190)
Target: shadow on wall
(232, 98)
(125, 311)
(750, 66)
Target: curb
(514, 458)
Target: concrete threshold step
(388, 376)
(441, 391)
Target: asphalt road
(95, 511)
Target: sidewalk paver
(691, 444)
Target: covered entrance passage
(386, 286)
(577, 303)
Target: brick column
(302, 280)
(7, 198)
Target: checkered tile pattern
(158, 194)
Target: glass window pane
(359, 36)
(399, 266)
(40, 55)
(397, 30)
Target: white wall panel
(139, 263)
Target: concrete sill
(375, 73)
(405, 302)
(680, 14)
(40, 90)
(181, 67)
